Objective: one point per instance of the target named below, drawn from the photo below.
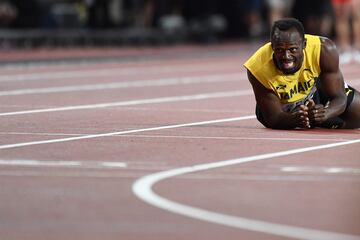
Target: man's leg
(351, 116)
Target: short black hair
(287, 23)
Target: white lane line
(17, 145)
(186, 137)
(70, 174)
(113, 164)
(236, 138)
(135, 102)
(130, 84)
(45, 163)
(43, 134)
(317, 170)
(110, 72)
(142, 188)
(274, 178)
(94, 172)
(39, 163)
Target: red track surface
(61, 184)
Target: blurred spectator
(28, 14)
(326, 18)
(170, 14)
(356, 29)
(279, 9)
(68, 14)
(317, 16)
(19, 14)
(251, 10)
(121, 13)
(347, 24)
(204, 19)
(8, 13)
(98, 13)
(144, 13)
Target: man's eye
(293, 49)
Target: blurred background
(38, 23)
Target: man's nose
(287, 54)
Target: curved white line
(142, 188)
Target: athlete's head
(288, 41)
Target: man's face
(288, 50)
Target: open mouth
(288, 64)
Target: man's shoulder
(327, 43)
(260, 57)
(329, 59)
(261, 65)
(264, 49)
(323, 41)
(313, 40)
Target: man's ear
(304, 43)
(272, 45)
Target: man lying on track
(297, 81)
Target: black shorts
(319, 98)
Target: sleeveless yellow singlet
(292, 89)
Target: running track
(162, 144)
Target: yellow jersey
(292, 89)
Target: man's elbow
(278, 126)
(274, 122)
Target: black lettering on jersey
(281, 86)
(307, 70)
(295, 88)
(292, 92)
(301, 87)
(308, 83)
(306, 86)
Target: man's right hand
(301, 116)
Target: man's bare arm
(331, 83)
